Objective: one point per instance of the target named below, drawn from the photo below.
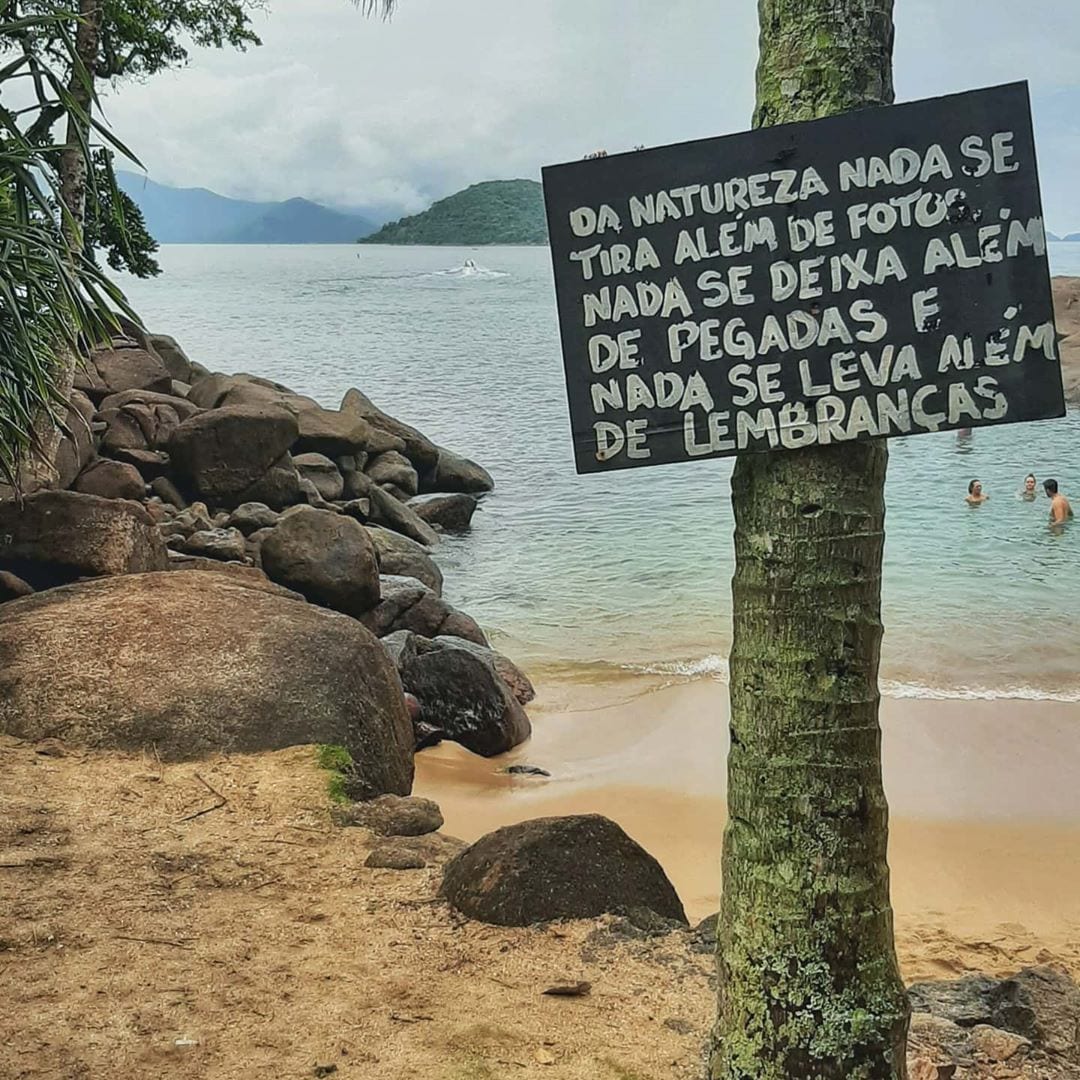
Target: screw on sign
(878, 273)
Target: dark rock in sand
(526, 770)
(462, 697)
(392, 856)
(451, 513)
(504, 667)
(150, 463)
(218, 668)
(455, 473)
(328, 557)
(172, 356)
(408, 604)
(417, 447)
(393, 815)
(402, 557)
(321, 472)
(251, 517)
(13, 587)
(223, 453)
(76, 448)
(111, 480)
(58, 536)
(394, 470)
(1040, 1004)
(224, 544)
(110, 371)
(166, 490)
(573, 867)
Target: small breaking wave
(714, 666)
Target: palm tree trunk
(809, 982)
(73, 163)
(72, 171)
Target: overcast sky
(354, 112)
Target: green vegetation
(338, 762)
(495, 212)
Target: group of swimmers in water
(1060, 508)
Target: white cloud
(356, 111)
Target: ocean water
(629, 571)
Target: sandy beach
(985, 805)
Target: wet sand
(984, 797)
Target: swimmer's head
(1051, 487)
(975, 487)
(1029, 482)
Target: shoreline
(985, 812)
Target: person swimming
(1060, 508)
(975, 496)
(1029, 493)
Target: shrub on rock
(462, 697)
(193, 663)
(325, 556)
(574, 867)
(55, 537)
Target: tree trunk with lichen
(809, 983)
(72, 168)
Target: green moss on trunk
(809, 983)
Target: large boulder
(111, 480)
(322, 473)
(172, 356)
(55, 537)
(417, 447)
(195, 663)
(395, 470)
(451, 513)
(388, 511)
(573, 867)
(279, 487)
(463, 698)
(223, 453)
(325, 556)
(455, 473)
(402, 557)
(108, 371)
(408, 604)
(516, 679)
(181, 406)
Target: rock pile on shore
(215, 505)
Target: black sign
(878, 273)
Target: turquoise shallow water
(629, 569)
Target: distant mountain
(1052, 238)
(197, 216)
(1072, 237)
(494, 212)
